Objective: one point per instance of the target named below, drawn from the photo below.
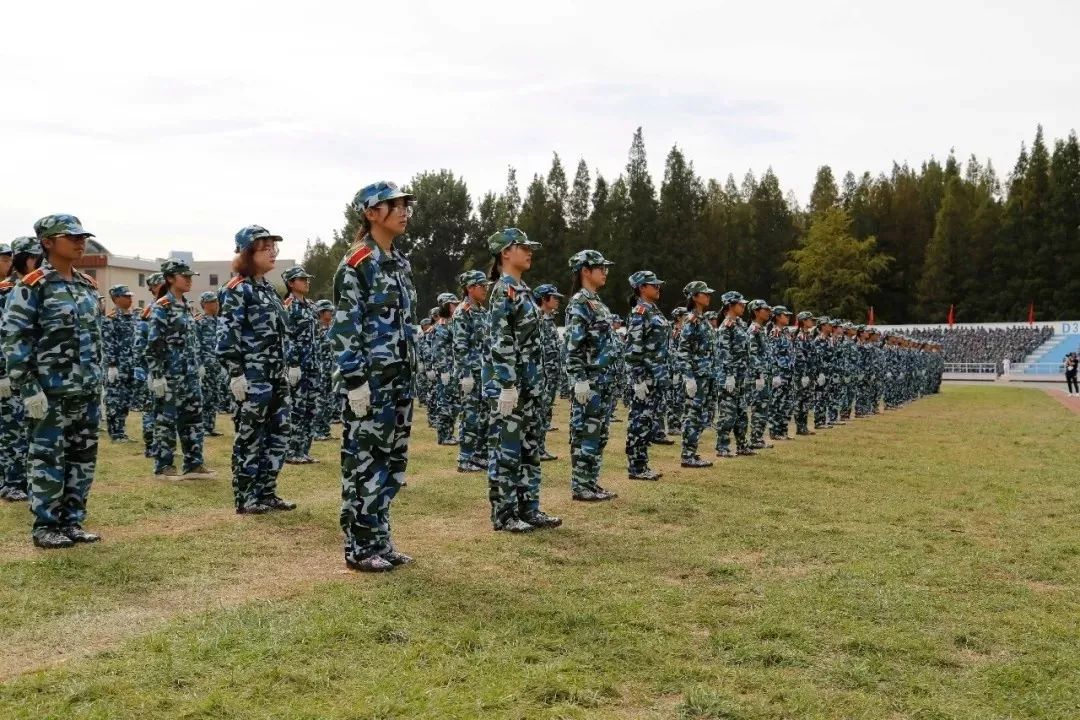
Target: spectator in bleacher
(985, 345)
(1071, 363)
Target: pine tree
(825, 193)
(535, 221)
(578, 209)
(640, 231)
(679, 219)
(511, 199)
(441, 233)
(1064, 226)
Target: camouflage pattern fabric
(469, 327)
(697, 360)
(552, 367)
(301, 350)
(444, 400)
(780, 406)
(731, 410)
(118, 335)
(14, 437)
(760, 369)
(326, 405)
(172, 353)
(648, 335)
(208, 333)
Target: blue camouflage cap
(805, 315)
(247, 235)
(296, 272)
(546, 290)
(5, 249)
(25, 244)
(732, 297)
(120, 290)
(155, 279)
(711, 315)
(694, 287)
(172, 266)
(779, 310)
(644, 277)
(825, 320)
(757, 305)
(323, 306)
(208, 296)
(588, 258)
(446, 297)
(678, 312)
(60, 225)
(375, 193)
(472, 277)
(497, 242)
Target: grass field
(920, 564)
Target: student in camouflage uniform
(676, 397)
(761, 373)
(374, 348)
(23, 255)
(591, 363)
(547, 296)
(302, 372)
(469, 330)
(444, 404)
(118, 335)
(513, 383)
(252, 349)
(697, 360)
(326, 406)
(621, 389)
(143, 397)
(850, 353)
(648, 336)
(424, 373)
(52, 344)
(783, 375)
(734, 393)
(864, 377)
(823, 360)
(208, 332)
(176, 373)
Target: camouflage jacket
(442, 348)
(118, 336)
(735, 343)
(648, 336)
(208, 331)
(803, 355)
(469, 328)
(300, 350)
(549, 340)
(255, 329)
(324, 357)
(139, 338)
(760, 354)
(592, 349)
(782, 352)
(6, 286)
(515, 356)
(374, 326)
(172, 348)
(697, 348)
(51, 335)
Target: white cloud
(170, 129)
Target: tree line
(909, 242)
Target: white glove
(239, 388)
(641, 390)
(444, 378)
(862, 376)
(759, 383)
(202, 372)
(691, 387)
(112, 374)
(582, 391)
(777, 381)
(677, 380)
(821, 379)
(158, 386)
(360, 400)
(888, 376)
(37, 405)
(294, 376)
(508, 399)
(5, 388)
(467, 385)
(729, 383)
(805, 382)
(431, 374)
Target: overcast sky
(170, 126)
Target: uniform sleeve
(460, 332)
(637, 355)
(292, 339)
(230, 349)
(20, 339)
(577, 336)
(156, 347)
(347, 332)
(504, 354)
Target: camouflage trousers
(660, 414)
(61, 460)
(864, 396)
(262, 437)
(444, 407)
(14, 443)
(149, 421)
(759, 402)
(589, 425)
(847, 397)
(119, 399)
(547, 408)
(514, 457)
(821, 403)
(780, 407)
(834, 397)
(212, 388)
(327, 408)
(731, 418)
(179, 415)
(302, 416)
(804, 403)
(676, 406)
(374, 457)
(642, 428)
(474, 428)
(696, 417)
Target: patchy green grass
(920, 564)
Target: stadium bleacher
(986, 345)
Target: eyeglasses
(401, 208)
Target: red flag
(952, 315)
(870, 316)
(1031, 314)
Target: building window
(142, 283)
(213, 279)
(142, 303)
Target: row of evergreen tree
(910, 243)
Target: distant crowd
(985, 345)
